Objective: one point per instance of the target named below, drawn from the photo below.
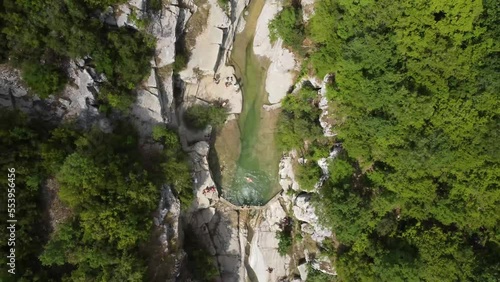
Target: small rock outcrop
(304, 211)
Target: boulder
(303, 271)
(307, 228)
(10, 82)
(264, 254)
(303, 210)
(105, 125)
(273, 215)
(323, 264)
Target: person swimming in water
(249, 180)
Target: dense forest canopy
(415, 194)
(109, 191)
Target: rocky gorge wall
(242, 240)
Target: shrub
(200, 116)
(174, 166)
(285, 242)
(288, 26)
(180, 63)
(44, 80)
(224, 4)
(299, 120)
(308, 175)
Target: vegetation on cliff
(41, 36)
(107, 184)
(200, 116)
(415, 195)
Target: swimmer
(249, 180)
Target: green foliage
(103, 180)
(102, 4)
(288, 26)
(308, 175)
(155, 5)
(4, 49)
(314, 275)
(19, 145)
(285, 242)
(200, 116)
(180, 63)
(299, 120)
(44, 80)
(174, 164)
(415, 196)
(224, 4)
(44, 34)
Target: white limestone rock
(280, 73)
(307, 228)
(307, 9)
(205, 54)
(303, 271)
(272, 107)
(323, 264)
(80, 92)
(304, 211)
(323, 105)
(264, 254)
(273, 215)
(287, 176)
(164, 30)
(169, 226)
(202, 177)
(123, 15)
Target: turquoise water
(255, 180)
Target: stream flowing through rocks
(254, 178)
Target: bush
(288, 26)
(174, 166)
(180, 63)
(299, 120)
(224, 4)
(308, 175)
(200, 116)
(44, 80)
(318, 276)
(285, 242)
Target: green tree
(288, 26)
(416, 110)
(200, 116)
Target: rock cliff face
(300, 200)
(280, 74)
(263, 253)
(76, 100)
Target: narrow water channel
(255, 178)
